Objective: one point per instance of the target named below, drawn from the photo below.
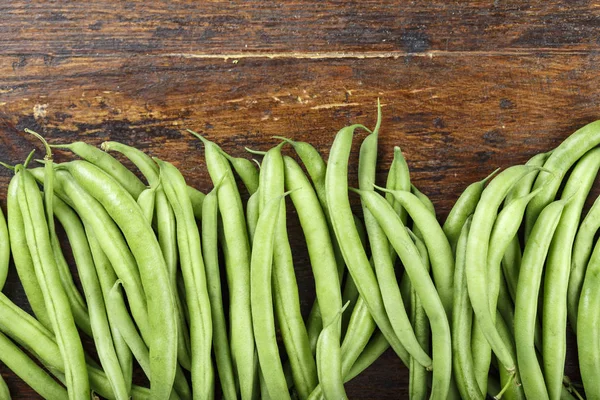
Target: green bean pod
(476, 261)
(237, 266)
(153, 270)
(21, 256)
(418, 375)
(194, 277)
(382, 260)
(347, 235)
(210, 249)
(530, 278)
(582, 249)
(108, 164)
(423, 284)
(263, 318)
(38, 241)
(287, 299)
(252, 213)
(371, 353)
(323, 263)
(167, 239)
(398, 179)
(26, 369)
(556, 278)
(246, 170)
(462, 320)
(146, 201)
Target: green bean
(246, 170)
(463, 208)
(95, 216)
(262, 300)
(38, 241)
(476, 261)
(153, 271)
(323, 263)
(423, 284)
(210, 250)
(21, 256)
(108, 164)
(398, 179)
(462, 320)
(25, 368)
(150, 170)
(557, 165)
(382, 260)
(582, 249)
(345, 230)
(167, 239)
(4, 391)
(530, 278)
(287, 301)
(556, 278)
(4, 250)
(417, 383)
(442, 260)
(194, 277)
(107, 278)
(237, 266)
(328, 360)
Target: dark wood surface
(466, 87)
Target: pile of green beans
(198, 292)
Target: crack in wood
(384, 54)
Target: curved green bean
(476, 261)
(237, 267)
(530, 278)
(57, 304)
(194, 277)
(582, 249)
(423, 284)
(462, 320)
(263, 319)
(556, 278)
(382, 260)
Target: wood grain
(466, 87)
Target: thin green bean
(210, 249)
(4, 250)
(556, 278)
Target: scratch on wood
(381, 54)
(333, 105)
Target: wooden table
(466, 87)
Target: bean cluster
(200, 289)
